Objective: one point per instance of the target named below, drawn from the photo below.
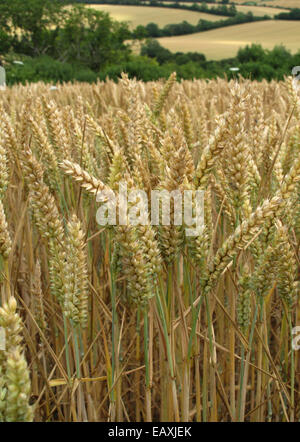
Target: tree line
(184, 28)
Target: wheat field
(142, 322)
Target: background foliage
(57, 42)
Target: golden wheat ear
(5, 241)
(87, 181)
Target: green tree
(92, 38)
(5, 41)
(251, 53)
(153, 30)
(140, 32)
(34, 18)
(153, 49)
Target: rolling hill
(225, 42)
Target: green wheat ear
(15, 386)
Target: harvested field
(142, 15)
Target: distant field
(282, 3)
(268, 3)
(286, 3)
(259, 11)
(225, 42)
(142, 15)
